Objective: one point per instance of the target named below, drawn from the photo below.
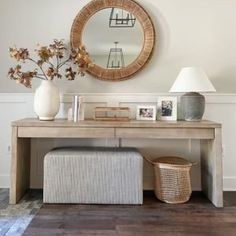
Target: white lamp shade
(192, 79)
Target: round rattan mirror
(119, 36)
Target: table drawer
(165, 133)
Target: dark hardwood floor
(197, 217)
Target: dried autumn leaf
(26, 81)
(58, 48)
(44, 53)
(19, 54)
(51, 72)
(70, 74)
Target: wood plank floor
(197, 217)
(15, 218)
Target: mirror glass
(113, 37)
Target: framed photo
(146, 112)
(167, 108)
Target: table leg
(211, 168)
(20, 167)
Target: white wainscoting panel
(220, 108)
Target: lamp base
(193, 105)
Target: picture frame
(146, 112)
(167, 108)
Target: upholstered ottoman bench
(93, 175)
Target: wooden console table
(209, 134)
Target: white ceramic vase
(47, 100)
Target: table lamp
(191, 81)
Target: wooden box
(112, 113)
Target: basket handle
(152, 163)
(148, 160)
(194, 163)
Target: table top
(33, 122)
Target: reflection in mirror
(113, 38)
(120, 18)
(116, 58)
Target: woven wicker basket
(172, 179)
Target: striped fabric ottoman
(93, 175)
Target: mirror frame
(148, 29)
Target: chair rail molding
(219, 107)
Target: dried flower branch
(81, 59)
(49, 63)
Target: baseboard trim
(229, 183)
(4, 181)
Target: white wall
(220, 108)
(189, 32)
